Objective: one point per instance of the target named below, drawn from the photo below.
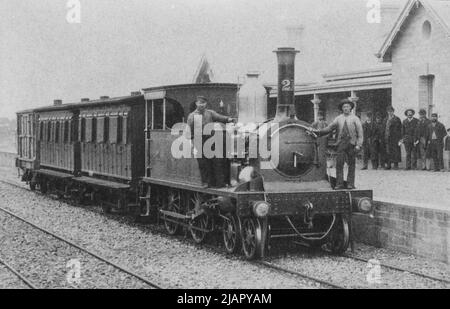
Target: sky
(121, 46)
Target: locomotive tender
(117, 152)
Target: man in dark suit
(409, 138)
(367, 144)
(435, 139)
(421, 138)
(392, 136)
(210, 170)
(377, 142)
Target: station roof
(439, 10)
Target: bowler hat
(422, 112)
(202, 99)
(390, 109)
(346, 101)
(434, 115)
(410, 110)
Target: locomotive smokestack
(286, 83)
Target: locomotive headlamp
(261, 209)
(364, 204)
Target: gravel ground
(43, 259)
(405, 261)
(8, 280)
(168, 261)
(166, 257)
(350, 273)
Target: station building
(413, 71)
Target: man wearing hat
(392, 136)
(421, 138)
(435, 140)
(350, 137)
(409, 138)
(202, 116)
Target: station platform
(412, 212)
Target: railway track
(18, 275)
(268, 264)
(74, 245)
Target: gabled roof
(439, 10)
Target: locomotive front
(288, 194)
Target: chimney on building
(104, 97)
(135, 93)
(84, 100)
(57, 102)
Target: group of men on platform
(422, 138)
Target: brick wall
(418, 231)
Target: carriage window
(174, 114)
(82, 130)
(49, 132)
(158, 115)
(94, 130)
(100, 129)
(106, 130)
(41, 131)
(89, 130)
(119, 129)
(66, 132)
(57, 131)
(124, 135)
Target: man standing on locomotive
(350, 137)
(200, 118)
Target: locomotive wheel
(231, 234)
(251, 238)
(201, 222)
(173, 205)
(340, 236)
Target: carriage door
(154, 101)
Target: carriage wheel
(251, 238)
(32, 186)
(339, 239)
(201, 222)
(43, 186)
(231, 234)
(173, 205)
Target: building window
(426, 30)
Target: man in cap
(421, 138)
(367, 144)
(200, 118)
(409, 128)
(350, 139)
(435, 139)
(392, 136)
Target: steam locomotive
(119, 152)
